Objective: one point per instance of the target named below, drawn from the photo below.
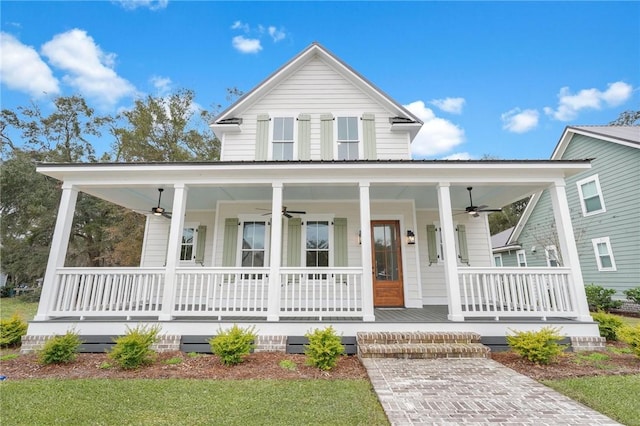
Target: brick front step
(391, 337)
(423, 350)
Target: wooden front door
(386, 242)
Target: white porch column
(367, 265)
(450, 256)
(273, 307)
(59, 246)
(173, 250)
(568, 248)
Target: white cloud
(451, 105)
(135, 4)
(437, 135)
(519, 121)
(246, 45)
(90, 70)
(22, 69)
(458, 156)
(238, 25)
(276, 34)
(162, 84)
(569, 105)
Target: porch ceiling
(143, 198)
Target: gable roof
(500, 241)
(402, 115)
(623, 135)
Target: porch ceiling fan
(286, 213)
(474, 210)
(160, 211)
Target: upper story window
(283, 138)
(590, 194)
(348, 140)
(604, 254)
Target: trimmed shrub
(631, 336)
(234, 344)
(12, 330)
(633, 295)
(60, 349)
(539, 347)
(599, 298)
(133, 350)
(324, 348)
(607, 324)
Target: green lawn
(614, 396)
(195, 402)
(9, 305)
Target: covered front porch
(221, 288)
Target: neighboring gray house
(506, 254)
(605, 209)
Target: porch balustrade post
(568, 248)
(173, 251)
(367, 264)
(58, 253)
(273, 303)
(450, 256)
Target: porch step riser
(393, 338)
(424, 350)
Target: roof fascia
(569, 131)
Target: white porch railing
(221, 291)
(517, 292)
(335, 292)
(108, 292)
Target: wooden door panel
(387, 264)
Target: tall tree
(508, 217)
(627, 118)
(170, 128)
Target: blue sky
(487, 78)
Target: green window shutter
(294, 240)
(369, 136)
(432, 245)
(340, 239)
(262, 137)
(304, 137)
(326, 137)
(462, 244)
(202, 238)
(230, 242)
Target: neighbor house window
(253, 244)
(317, 243)
(551, 253)
(348, 142)
(188, 243)
(282, 138)
(497, 260)
(604, 254)
(591, 199)
(522, 258)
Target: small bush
(540, 347)
(287, 364)
(607, 324)
(133, 350)
(60, 349)
(234, 344)
(633, 295)
(631, 336)
(324, 348)
(599, 298)
(12, 330)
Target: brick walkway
(477, 391)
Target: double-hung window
(522, 258)
(604, 254)
(317, 243)
(283, 138)
(590, 194)
(348, 140)
(551, 253)
(188, 242)
(253, 244)
(497, 260)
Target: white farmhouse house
(315, 215)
